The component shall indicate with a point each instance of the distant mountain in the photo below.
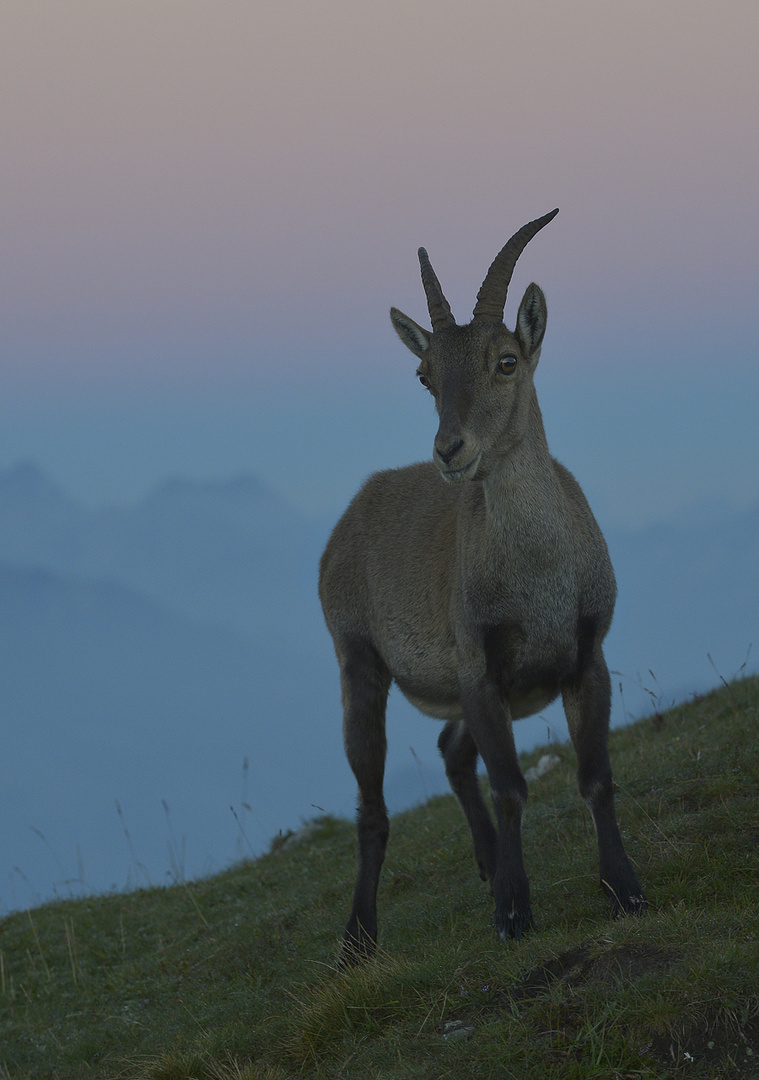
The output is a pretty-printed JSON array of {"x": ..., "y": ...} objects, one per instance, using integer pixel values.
[
  {"x": 215, "y": 550},
  {"x": 147, "y": 652},
  {"x": 108, "y": 697},
  {"x": 39, "y": 525}
]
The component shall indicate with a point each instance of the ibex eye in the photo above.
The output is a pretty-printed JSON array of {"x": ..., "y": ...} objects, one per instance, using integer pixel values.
[
  {"x": 424, "y": 381},
  {"x": 507, "y": 364}
]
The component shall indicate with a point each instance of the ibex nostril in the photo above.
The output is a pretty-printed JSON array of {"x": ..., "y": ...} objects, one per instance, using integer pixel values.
[{"x": 447, "y": 455}]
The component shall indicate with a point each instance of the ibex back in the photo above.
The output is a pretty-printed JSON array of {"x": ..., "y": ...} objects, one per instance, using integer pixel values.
[{"x": 482, "y": 584}]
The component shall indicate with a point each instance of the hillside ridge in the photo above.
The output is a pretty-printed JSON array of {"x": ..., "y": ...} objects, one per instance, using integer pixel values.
[{"x": 233, "y": 977}]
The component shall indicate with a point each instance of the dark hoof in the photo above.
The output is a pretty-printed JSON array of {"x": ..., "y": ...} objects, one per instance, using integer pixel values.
[
  {"x": 626, "y": 899},
  {"x": 636, "y": 906},
  {"x": 514, "y": 922},
  {"x": 358, "y": 947}
]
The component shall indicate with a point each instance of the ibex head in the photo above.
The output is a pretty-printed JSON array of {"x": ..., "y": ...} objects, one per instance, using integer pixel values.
[{"x": 480, "y": 375}]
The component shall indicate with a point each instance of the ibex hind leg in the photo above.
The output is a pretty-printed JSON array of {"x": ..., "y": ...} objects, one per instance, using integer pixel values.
[
  {"x": 365, "y": 685},
  {"x": 460, "y": 755},
  {"x": 587, "y": 702}
]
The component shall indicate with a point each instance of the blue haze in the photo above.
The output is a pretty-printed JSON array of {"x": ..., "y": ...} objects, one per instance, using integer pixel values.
[{"x": 171, "y": 699}]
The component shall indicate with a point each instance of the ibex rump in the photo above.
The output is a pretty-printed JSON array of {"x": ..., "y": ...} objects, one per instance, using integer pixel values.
[{"x": 483, "y": 599}]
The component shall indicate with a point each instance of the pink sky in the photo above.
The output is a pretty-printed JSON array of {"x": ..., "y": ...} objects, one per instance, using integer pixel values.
[
  {"x": 179, "y": 177},
  {"x": 206, "y": 196}
]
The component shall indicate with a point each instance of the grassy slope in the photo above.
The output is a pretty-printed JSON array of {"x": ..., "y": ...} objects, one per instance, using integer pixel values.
[{"x": 233, "y": 977}]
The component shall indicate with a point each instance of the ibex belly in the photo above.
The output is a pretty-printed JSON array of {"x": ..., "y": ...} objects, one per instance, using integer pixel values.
[
  {"x": 428, "y": 677},
  {"x": 523, "y": 704},
  {"x": 526, "y": 684}
]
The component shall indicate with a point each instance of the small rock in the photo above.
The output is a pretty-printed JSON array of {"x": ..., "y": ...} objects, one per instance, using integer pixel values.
[
  {"x": 457, "y": 1029},
  {"x": 544, "y": 765},
  {"x": 296, "y": 838}
]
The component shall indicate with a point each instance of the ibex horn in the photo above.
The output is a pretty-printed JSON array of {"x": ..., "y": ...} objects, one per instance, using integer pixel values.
[
  {"x": 491, "y": 299},
  {"x": 439, "y": 308}
]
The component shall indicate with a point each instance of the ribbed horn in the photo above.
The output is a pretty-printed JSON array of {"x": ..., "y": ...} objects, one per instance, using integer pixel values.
[
  {"x": 439, "y": 308},
  {"x": 491, "y": 299}
]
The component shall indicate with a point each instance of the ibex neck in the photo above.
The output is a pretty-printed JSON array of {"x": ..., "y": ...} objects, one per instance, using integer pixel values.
[{"x": 524, "y": 479}]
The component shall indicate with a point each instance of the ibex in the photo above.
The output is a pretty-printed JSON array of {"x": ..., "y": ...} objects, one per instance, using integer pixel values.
[{"x": 482, "y": 584}]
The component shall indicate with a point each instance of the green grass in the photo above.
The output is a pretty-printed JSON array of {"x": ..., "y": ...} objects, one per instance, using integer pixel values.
[{"x": 233, "y": 978}]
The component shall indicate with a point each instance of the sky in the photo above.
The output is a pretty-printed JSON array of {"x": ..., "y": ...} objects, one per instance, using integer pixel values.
[{"x": 207, "y": 209}]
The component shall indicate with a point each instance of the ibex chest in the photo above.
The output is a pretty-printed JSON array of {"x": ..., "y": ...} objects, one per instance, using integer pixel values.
[
  {"x": 523, "y": 579},
  {"x": 527, "y": 617},
  {"x": 525, "y": 638}
]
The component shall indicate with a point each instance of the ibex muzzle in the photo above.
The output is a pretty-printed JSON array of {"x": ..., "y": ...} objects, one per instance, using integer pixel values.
[
  {"x": 456, "y": 451},
  {"x": 483, "y": 600}
]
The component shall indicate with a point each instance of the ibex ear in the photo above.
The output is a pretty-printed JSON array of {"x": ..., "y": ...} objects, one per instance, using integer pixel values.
[
  {"x": 413, "y": 336},
  {"x": 531, "y": 320}
]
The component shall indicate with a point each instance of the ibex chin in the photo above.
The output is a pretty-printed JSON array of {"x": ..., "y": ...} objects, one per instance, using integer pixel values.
[{"x": 482, "y": 584}]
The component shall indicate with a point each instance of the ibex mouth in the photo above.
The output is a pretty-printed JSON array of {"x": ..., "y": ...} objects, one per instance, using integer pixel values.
[{"x": 468, "y": 472}]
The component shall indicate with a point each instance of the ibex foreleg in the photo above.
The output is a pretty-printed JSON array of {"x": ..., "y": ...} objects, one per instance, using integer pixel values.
[
  {"x": 489, "y": 723},
  {"x": 587, "y": 702}
]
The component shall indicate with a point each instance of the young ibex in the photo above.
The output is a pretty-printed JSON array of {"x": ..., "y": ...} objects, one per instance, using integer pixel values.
[{"x": 482, "y": 584}]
